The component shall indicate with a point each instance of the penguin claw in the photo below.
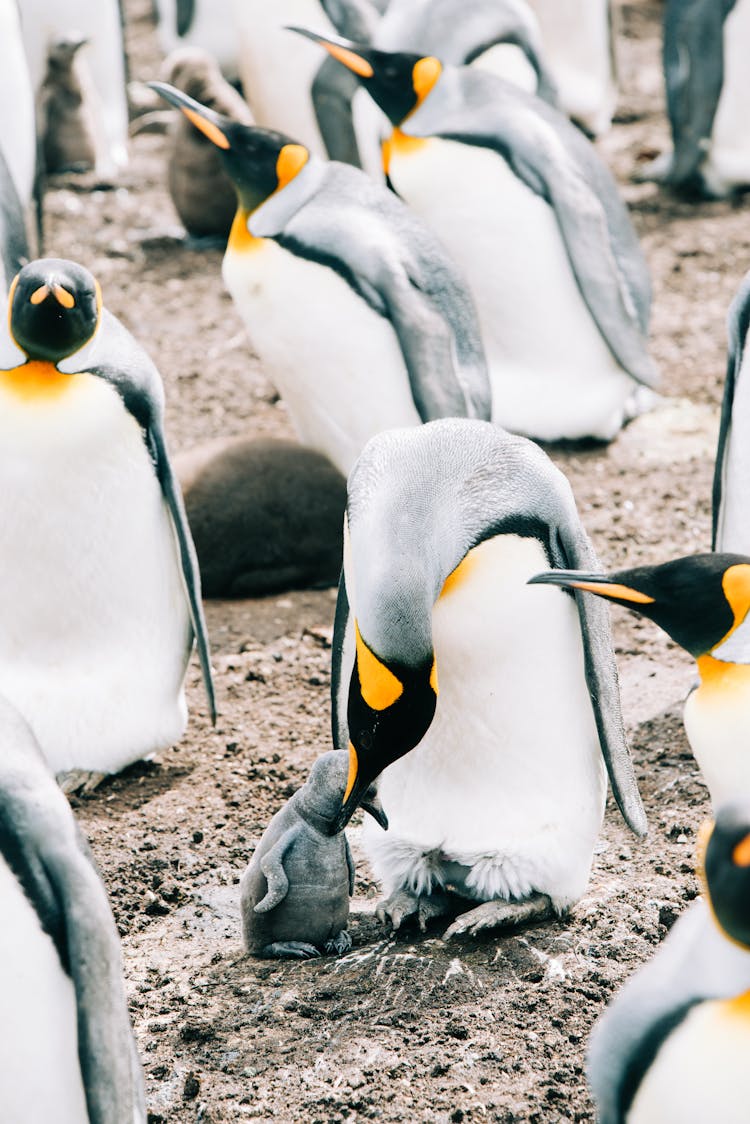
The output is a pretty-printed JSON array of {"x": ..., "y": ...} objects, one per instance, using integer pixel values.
[
  {"x": 499, "y": 914},
  {"x": 290, "y": 950},
  {"x": 339, "y": 944},
  {"x": 79, "y": 782},
  {"x": 404, "y": 904}
]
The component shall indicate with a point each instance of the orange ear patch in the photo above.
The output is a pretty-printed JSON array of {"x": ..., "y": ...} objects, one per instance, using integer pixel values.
[
  {"x": 741, "y": 853},
  {"x": 290, "y": 162},
  {"x": 380, "y": 688},
  {"x": 424, "y": 76}
]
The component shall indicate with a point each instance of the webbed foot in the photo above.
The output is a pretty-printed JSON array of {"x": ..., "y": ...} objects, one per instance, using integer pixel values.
[
  {"x": 500, "y": 914},
  {"x": 339, "y": 944},
  {"x": 79, "y": 782},
  {"x": 404, "y": 903},
  {"x": 290, "y": 950}
]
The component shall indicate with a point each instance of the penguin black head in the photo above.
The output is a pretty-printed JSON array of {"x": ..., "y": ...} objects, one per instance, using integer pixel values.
[
  {"x": 397, "y": 81},
  {"x": 699, "y": 600},
  {"x": 726, "y": 865},
  {"x": 54, "y": 308},
  {"x": 323, "y": 792},
  {"x": 258, "y": 161}
]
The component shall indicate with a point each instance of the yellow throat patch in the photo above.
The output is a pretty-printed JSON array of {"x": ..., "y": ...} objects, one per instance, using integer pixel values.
[{"x": 37, "y": 380}]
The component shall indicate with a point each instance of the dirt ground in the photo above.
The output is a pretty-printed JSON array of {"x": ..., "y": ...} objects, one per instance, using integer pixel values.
[{"x": 400, "y": 1028}]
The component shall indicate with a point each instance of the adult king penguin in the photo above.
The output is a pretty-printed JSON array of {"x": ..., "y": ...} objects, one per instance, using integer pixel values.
[
  {"x": 731, "y": 509},
  {"x": 672, "y": 1047},
  {"x": 492, "y": 715},
  {"x": 355, "y": 310},
  {"x": 708, "y": 87},
  {"x": 66, "y": 1047},
  {"x": 99, "y": 586},
  {"x": 702, "y": 602},
  {"x": 534, "y": 220}
]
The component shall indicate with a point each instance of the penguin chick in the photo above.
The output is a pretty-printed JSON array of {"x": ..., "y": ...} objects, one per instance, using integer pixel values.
[
  {"x": 295, "y": 892},
  {"x": 672, "y": 1046},
  {"x": 702, "y": 602},
  {"x": 354, "y": 308},
  {"x": 490, "y": 717},
  {"x": 99, "y": 584},
  {"x": 534, "y": 220},
  {"x": 66, "y": 123},
  {"x": 67, "y": 1051},
  {"x": 202, "y": 192},
  {"x": 265, "y": 516}
]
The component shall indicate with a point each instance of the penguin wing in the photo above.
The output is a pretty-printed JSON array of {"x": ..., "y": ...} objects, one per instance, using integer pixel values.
[
  {"x": 40, "y": 842},
  {"x": 272, "y": 866},
  {"x": 184, "y": 16},
  {"x": 601, "y": 676},
  {"x": 738, "y": 320},
  {"x": 116, "y": 357},
  {"x": 556, "y": 162},
  {"x": 694, "y": 74},
  {"x": 333, "y": 89}
]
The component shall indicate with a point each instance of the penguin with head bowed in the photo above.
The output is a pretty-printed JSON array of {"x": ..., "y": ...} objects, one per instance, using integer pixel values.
[
  {"x": 707, "y": 86},
  {"x": 731, "y": 521},
  {"x": 490, "y": 716},
  {"x": 99, "y": 585},
  {"x": 295, "y": 892},
  {"x": 672, "y": 1047},
  {"x": 355, "y": 310},
  {"x": 534, "y": 220},
  {"x": 67, "y": 1051},
  {"x": 702, "y": 602}
]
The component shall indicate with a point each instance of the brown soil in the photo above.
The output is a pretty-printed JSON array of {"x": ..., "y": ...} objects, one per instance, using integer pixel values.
[{"x": 401, "y": 1028}]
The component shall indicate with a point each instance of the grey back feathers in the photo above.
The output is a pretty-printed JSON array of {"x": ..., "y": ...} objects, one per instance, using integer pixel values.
[
  {"x": 426, "y": 497},
  {"x": 732, "y": 467},
  {"x": 40, "y": 842}
]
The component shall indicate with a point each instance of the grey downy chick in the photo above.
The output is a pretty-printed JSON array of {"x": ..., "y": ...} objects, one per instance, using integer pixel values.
[
  {"x": 66, "y": 119},
  {"x": 295, "y": 892}
]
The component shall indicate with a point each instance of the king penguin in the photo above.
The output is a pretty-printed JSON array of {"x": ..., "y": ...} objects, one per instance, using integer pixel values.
[
  {"x": 708, "y": 87},
  {"x": 490, "y": 717},
  {"x": 99, "y": 586},
  {"x": 17, "y": 113},
  {"x": 731, "y": 509},
  {"x": 702, "y": 602},
  {"x": 672, "y": 1047},
  {"x": 355, "y": 310},
  {"x": 14, "y": 249},
  {"x": 67, "y": 1052},
  {"x": 534, "y": 220}
]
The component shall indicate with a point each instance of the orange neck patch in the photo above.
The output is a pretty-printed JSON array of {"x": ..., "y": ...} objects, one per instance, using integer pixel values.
[
  {"x": 36, "y": 379},
  {"x": 740, "y": 1005},
  {"x": 721, "y": 678},
  {"x": 398, "y": 144},
  {"x": 241, "y": 241}
]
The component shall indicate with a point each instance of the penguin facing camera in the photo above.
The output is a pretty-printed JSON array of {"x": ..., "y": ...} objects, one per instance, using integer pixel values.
[
  {"x": 702, "y": 602},
  {"x": 67, "y": 1052},
  {"x": 99, "y": 585},
  {"x": 490, "y": 716},
  {"x": 672, "y": 1046},
  {"x": 533, "y": 218},
  {"x": 202, "y": 192},
  {"x": 66, "y": 123},
  {"x": 295, "y": 892},
  {"x": 324, "y": 264},
  {"x": 265, "y": 516}
]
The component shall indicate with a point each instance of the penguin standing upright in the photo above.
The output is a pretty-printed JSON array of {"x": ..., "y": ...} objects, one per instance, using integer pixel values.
[
  {"x": 534, "y": 220},
  {"x": 66, "y": 122},
  {"x": 702, "y": 602},
  {"x": 99, "y": 586},
  {"x": 708, "y": 88},
  {"x": 67, "y": 1052},
  {"x": 14, "y": 249},
  {"x": 731, "y": 507},
  {"x": 492, "y": 715},
  {"x": 672, "y": 1046},
  {"x": 355, "y": 310},
  {"x": 17, "y": 113}
]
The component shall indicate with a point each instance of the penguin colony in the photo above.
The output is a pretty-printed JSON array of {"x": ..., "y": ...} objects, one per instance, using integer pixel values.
[{"x": 435, "y": 267}]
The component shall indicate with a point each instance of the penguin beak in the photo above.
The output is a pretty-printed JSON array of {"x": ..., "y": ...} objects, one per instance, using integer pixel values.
[
  {"x": 351, "y": 55},
  {"x": 600, "y": 584},
  {"x": 371, "y": 804},
  {"x": 358, "y": 789},
  {"x": 211, "y": 124}
]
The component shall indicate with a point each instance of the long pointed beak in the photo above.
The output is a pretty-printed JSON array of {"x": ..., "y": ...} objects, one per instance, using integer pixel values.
[
  {"x": 357, "y": 791},
  {"x": 211, "y": 124},
  {"x": 601, "y": 584},
  {"x": 343, "y": 50},
  {"x": 371, "y": 804}
]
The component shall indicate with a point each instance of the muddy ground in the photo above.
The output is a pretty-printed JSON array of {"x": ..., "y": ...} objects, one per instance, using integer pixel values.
[{"x": 406, "y": 1028}]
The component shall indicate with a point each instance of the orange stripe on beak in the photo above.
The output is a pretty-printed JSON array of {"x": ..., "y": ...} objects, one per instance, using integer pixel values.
[
  {"x": 350, "y": 59},
  {"x": 39, "y": 294},
  {"x": 63, "y": 297},
  {"x": 213, "y": 132},
  {"x": 613, "y": 591}
]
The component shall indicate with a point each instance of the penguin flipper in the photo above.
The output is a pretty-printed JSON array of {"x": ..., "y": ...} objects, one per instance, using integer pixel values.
[
  {"x": 738, "y": 321},
  {"x": 574, "y": 551},
  {"x": 349, "y": 865},
  {"x": 184, "y": 15},
  {"x": 272, "y": 866},
  {"x": 332, "y": 92}
]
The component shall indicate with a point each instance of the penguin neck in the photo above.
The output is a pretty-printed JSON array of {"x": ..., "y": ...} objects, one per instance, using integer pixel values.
[
  {"x": 400, "y": 144},
  {"x": 251, "y": 227},
  {"x": 35, "y": 379},
  {"x": 722, "y": 675},
  {"x": 311, "y": 815}
]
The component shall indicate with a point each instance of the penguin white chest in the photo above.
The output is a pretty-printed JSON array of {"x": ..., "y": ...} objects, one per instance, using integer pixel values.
[
  {"x": 509, "y": 778},
  {"x": 700, "y": 1073},
  {"x": 717, "y": 724},
  {"x": 336, "y": 361},
  {"x": 728, "y": 163},
  {"x": 96, "y": 631},
  {"x": 553, "y": 375},
  {"x": 40, "y": 1075}
]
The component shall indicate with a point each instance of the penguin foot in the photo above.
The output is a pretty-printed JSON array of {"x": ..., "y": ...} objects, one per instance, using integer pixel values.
[
  {"x": 339, "y": 944},
  {"x": 499, "y": 914},
  {"x": 79, "y": 782},
  {"x": 404, "y": 903},
  {"x": 290, "y": 950}
]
